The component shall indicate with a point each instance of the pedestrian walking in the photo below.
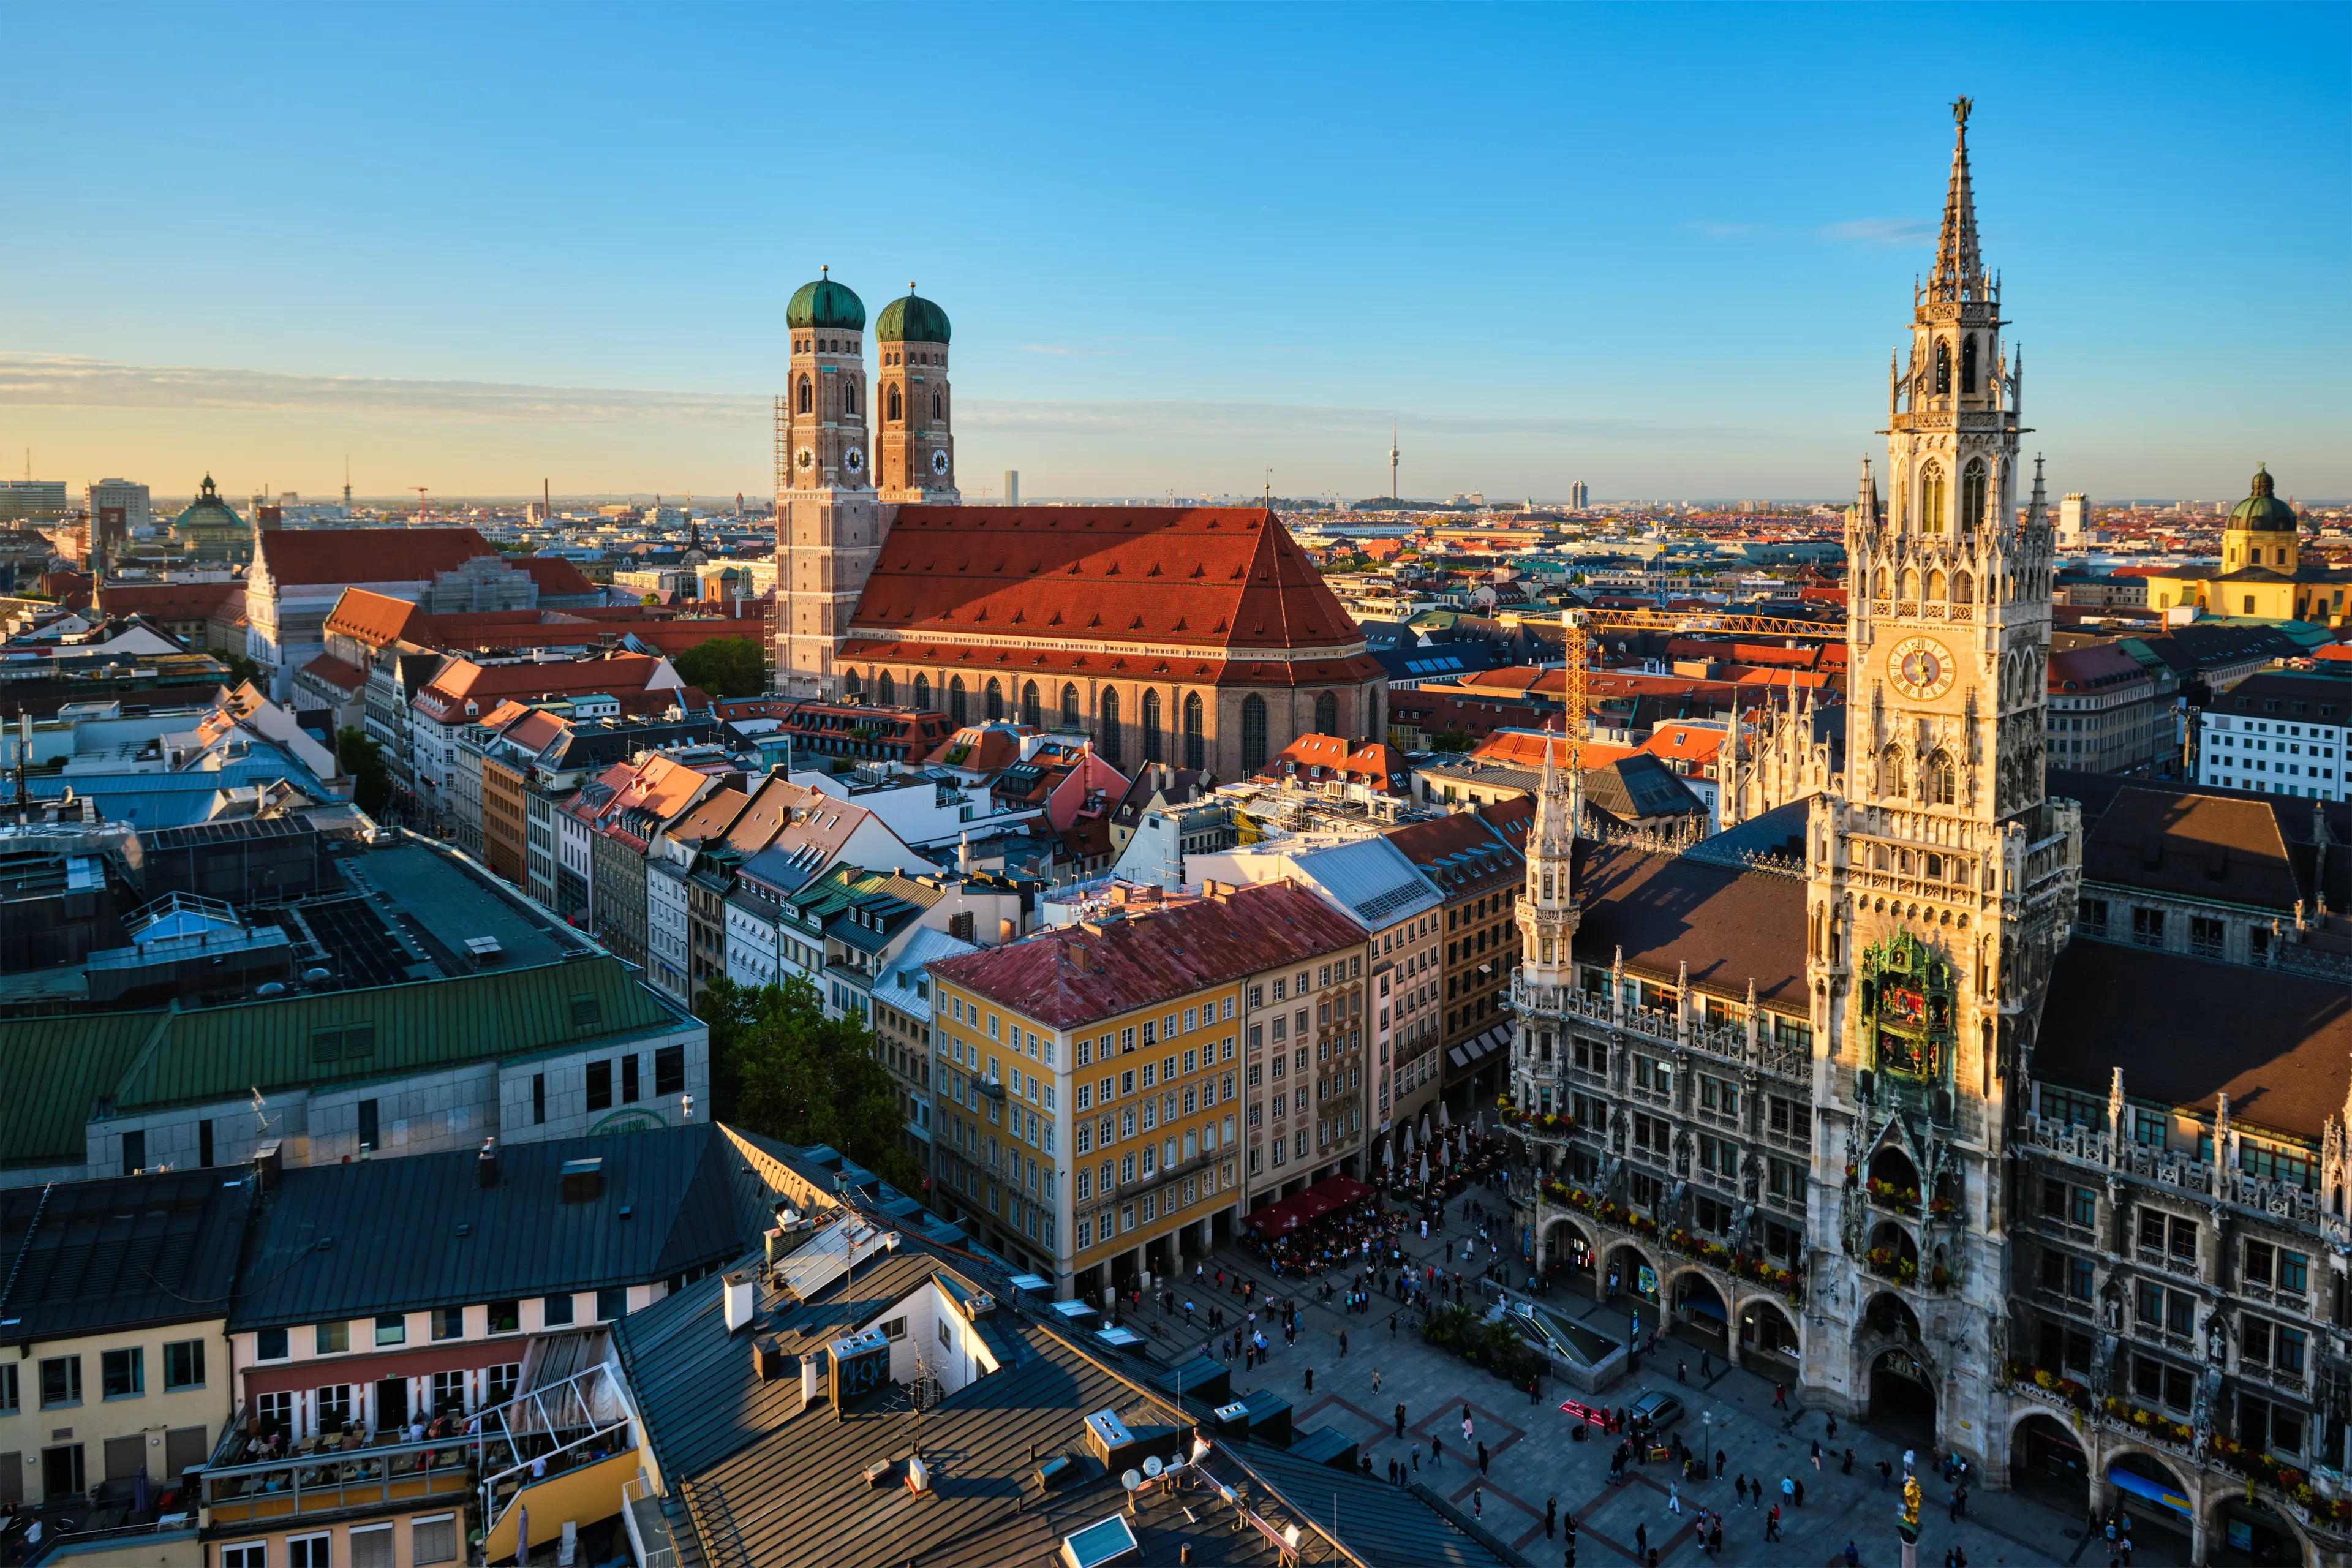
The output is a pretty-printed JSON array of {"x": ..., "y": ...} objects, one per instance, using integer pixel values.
[
  {"x": 1772, "y": 1523},
  {"x": 1310, "y": 1380},
  {"x": 1437, "y": 1453},
  {"x": 1952, "y": 1507},
  {"x": 1817, "y": 1456},
  {"x": 1477, "y": 1502},
  {"x": 1886, "y": 1473},
  {"x": 1779, "y": 1396},
  {"x": 1714, "y": 1539},
  {"x": 1551, "y": 1514},
  {"x": 1801, "y": 1494},
  {"x": 1703, "y": 1369},
  {"x": 1343, "y": 1342},
  {"x": 1674, "y": 1499},
  {"x": 1416, "y": 1456},
  {"x": 1465, "y": 1424},
  {"x": 1833, "y": 1428},
  {"x": 1739, "y": 1484},
  {"x": 1682, "y": 1370},
  {"x": 1788, "y": 1491},
  {"x": 1399, "y": 1420},
  {"x": 1376, "y": 1380},
  {"x": 1719, "y": 1464},
  {"x": 1642, "y": 1539},
  {"x": 1847, "y": 1469}
]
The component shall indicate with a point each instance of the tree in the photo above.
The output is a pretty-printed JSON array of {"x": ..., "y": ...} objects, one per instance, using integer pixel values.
[
  {"x": 1452, "y": 740},
  {"x": 242, "y": 668},
  {"x": 725, "y": 667},
  {"x": 363, "y": 759},
  {"x": 779, "y": 1067}
]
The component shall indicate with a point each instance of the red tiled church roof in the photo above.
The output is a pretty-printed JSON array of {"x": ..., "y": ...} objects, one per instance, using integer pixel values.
[
  {"x": 1214, "y": 578},
  {"x": 366, "y": 554}
]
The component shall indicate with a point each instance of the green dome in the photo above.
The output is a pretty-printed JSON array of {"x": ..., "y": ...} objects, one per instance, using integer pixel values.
[
  {"x": 911, "y": 320},
  {"x": 825, "y": 303},
  {"x": 2261, "y": 511},
  {"x": 207, "y": 510}
]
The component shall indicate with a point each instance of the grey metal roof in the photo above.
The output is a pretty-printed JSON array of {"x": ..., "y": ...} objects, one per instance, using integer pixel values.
[
  {"x": 904, "y": 985},
  {"x": 399, "y": 1235},
  {"x": 81, "y": 1257},
  {"x": 1373, "y": 878}
]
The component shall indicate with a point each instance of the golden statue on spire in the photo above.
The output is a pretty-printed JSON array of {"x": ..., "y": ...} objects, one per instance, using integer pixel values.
[{"x": 1960, "y": 107}]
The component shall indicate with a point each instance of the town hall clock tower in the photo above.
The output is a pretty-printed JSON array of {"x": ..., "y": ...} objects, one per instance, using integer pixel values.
[{"x": 1941, "y": 880}]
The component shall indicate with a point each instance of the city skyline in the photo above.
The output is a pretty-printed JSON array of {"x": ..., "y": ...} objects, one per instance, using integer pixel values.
[{"x": 471, "y": 288}]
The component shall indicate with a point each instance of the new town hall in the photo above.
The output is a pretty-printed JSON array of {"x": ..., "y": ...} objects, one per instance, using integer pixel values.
[{"x": 2000, "y": 1107}]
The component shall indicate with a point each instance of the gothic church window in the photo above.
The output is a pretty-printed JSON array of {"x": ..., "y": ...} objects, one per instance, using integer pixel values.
[
  {"x": 1931, "y": 498},
  {"x": 1032, "y": 713},
  {"x": 892, "y": 412},
  {"x": 1943, "y": 368},
  {"x": 922, "y": 692},
  {"x": 1151, "y": 744},
  {"x": 1938, "y": 782},
  {"x": 955, "y": 707},
  {"x": 851, "y": 684},
  {"x": 1973, "y": 495},
  {"x": 992, "y": 700},
  {"x": 1196, "y": 746},
  {"x": 1890, "y": 770},
  {"x": 1964, "y": 589},
  {"x": 1968, "y": 363},
  {"x": 1326, "y": 714},
  {"x": 1254, "y": 732},
  {"x": 937, "y": 407},
  {"x": 1110, "y": 739},
  {"x": 807, "y": 394},
  {"x": 1936, "y": 585},
  {"x": 1069, "y": 706},
  {"x": 886, "y": 689},
  {"x": 849, "y": 397}
]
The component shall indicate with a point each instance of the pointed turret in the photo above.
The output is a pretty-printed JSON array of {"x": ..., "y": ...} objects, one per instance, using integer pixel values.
[
  {"x": 1960, "y": 269},
  {"x": 2037, "y": 510}
]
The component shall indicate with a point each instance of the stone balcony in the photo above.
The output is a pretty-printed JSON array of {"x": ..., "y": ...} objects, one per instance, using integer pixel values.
[
  {"x": 1662, "y": 1028},
  {"x": 2279, "y": 1201}
]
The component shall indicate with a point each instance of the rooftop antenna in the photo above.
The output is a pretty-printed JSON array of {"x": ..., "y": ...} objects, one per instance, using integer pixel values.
[
  {"x": 424, "y": 507},
  {"x": 1269, "y": 489}
]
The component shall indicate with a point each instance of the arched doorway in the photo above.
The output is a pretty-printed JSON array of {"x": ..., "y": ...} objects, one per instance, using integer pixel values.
[
  {"x": 1700, "y": 1308},
  {"x": 2045, "y": 1460},
  {"x": 1902, "y": 1399},
  {"x": 1768, "y": 1341},
  {"x": 1570, "y": 1260},
  {"x": 1635, "y": 1280},
  {"x": 2251, "y": 1532},
  {"x": 2163, "y": 1511}
]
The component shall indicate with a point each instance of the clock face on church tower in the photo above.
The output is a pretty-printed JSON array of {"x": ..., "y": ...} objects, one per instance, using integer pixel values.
[
  {"x": 1921, "y": 669},
  {"x": 939, "y": 462}
]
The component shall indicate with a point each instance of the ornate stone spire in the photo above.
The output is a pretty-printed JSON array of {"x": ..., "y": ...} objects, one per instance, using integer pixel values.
[{"x": 1960, "y": 269}]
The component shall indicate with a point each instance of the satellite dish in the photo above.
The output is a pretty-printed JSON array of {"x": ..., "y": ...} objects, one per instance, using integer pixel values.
[
  {"x": 1152, "y": 1466},
  {"x": 1131, "y": 1479}
]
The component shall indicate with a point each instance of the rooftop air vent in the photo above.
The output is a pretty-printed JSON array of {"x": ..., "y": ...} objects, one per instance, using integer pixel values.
[
  {"x": 741, "y": 1294},
  {"x": 583, "y": 1181}
]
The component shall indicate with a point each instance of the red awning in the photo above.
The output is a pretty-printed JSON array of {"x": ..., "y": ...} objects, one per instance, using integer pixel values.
[{"x": 1339, "y": 1191}]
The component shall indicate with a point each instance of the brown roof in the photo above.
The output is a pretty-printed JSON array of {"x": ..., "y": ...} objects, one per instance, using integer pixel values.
[
  {"x": 2227, "y": 847},
  {"x": 711, "y": 817},
  {"x": 1426, "y": 843},
  {"x": 377, "y": 618},
  {"x": 365, "y": 554},
  {"x": 1207, "y": 577},
  {"x": 1665, "y": 910},
  {"x": 461, "y": 681},
  {"x": 2186, "y": 1032},
  {"x": 554, "y": 574},
  {"x": 1074, "y": 974},
  {"x": 171, "y": 601},
  {"x": 336, "y": 672}
]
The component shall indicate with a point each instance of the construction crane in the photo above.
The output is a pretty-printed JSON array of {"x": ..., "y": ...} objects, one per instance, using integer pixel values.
[
  {"x": 1704, "y": 621},
  {"x": 423, "y": 511}
]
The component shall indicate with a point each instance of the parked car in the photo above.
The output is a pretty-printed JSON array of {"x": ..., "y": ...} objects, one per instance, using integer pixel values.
[{"x": 1660, "y": 1410}]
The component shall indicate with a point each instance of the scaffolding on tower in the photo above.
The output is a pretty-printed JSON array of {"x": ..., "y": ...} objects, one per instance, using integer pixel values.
[{"x": 775, "y": 612}]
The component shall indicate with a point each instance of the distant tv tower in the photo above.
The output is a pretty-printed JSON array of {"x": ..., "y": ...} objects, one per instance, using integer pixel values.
[
  {"x": 1392, "y": 463},
  {"x": 347, "y": 484}
]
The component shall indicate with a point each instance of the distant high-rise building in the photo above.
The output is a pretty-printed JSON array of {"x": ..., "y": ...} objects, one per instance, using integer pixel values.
[
  {"x": 134, "y": 502},
  {"x": 2074, "y": 518},
  {"x": 1012, "y": 487},
  {"x": 1578, "y": 498},
  {"x": 32, "y": 500}
]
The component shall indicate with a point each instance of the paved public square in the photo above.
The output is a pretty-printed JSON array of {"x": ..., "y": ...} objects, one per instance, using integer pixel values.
[{"x": 1533, "y": 1457}]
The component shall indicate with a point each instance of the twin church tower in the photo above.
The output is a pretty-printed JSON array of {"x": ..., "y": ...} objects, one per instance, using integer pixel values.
[{"x": 837, "y": 472}]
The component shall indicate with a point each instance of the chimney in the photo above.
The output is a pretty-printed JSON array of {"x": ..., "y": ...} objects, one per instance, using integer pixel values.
[
  {"x": 741, "y": 1297},
  {"x": 268, "y": 1165},
  {"x": 486, "y": 1164},
  {"x": 812, "y": 1379},
  {"x": 959, "y": 925},
  {"x": 1004, "y": 930}
]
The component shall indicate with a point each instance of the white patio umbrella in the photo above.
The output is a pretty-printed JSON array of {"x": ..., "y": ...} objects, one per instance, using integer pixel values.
[
  {"x": 1409, "y": 1144},
  {"x": 1444, "y": 1121},
  {"x": 1424, "y": 1168},
  {"x": 1424, "y": 1126},
  {"x": 1388, "y": 1157}
]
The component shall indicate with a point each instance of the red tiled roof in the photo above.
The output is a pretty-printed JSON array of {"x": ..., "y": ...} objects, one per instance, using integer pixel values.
[
  {"x": 1525, "y": 748},
  {"x": 365, "y": 554},
  {"x": 1074, "y": 975},
  {"x": 336, "y": 672},
  {"x": 170, "y": 601},
  {"x": 1013, "y": 664},
  {"x": 1314, "y": 756},
  {"x": 461, "y": 681},
  {"x": 554, "y": 574},
  {"x": 677, "y": 636},
  {"x": 377, "y": 619},
  {"x": 1206, "y": 577}
]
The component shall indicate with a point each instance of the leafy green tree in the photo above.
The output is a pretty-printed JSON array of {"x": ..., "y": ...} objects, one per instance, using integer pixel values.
[
  {"x": 1452, "y": 740},
  {"x": 725, "y": 667},
  {"x": 363, "y": 759},
  {"x": 779, "y": 1067},
  {"x": 241, "y": 668}
]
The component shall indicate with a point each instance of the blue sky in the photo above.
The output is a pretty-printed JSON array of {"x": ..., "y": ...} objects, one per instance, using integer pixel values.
[{"x": 1662, "y": 250}]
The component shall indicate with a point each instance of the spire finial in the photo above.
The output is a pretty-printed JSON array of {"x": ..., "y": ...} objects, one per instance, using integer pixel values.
[
  {"x": 1959, "y": 267},
  {"x": 824, "y": 269},
  {"x": 1960, "y": 107}
]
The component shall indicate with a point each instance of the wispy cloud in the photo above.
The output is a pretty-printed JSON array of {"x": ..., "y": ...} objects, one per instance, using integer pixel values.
[
  {"x": 62, "y": 381},
  {"x": 1891, "y": 231},
  {"x": 1722, "y": 231}
]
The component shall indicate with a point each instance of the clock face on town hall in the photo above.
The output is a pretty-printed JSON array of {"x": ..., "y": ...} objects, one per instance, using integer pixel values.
[{"x": 1923, "y": 669}]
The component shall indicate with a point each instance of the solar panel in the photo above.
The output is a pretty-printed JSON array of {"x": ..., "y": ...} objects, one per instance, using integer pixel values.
[{"x": 828, "y": 1254}]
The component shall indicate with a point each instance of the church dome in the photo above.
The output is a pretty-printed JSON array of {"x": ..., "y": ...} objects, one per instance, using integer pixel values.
[
  {"x": 911, "y": 319},
  {"x": 824, "y": 303},
  {"x": 207, "y": 511},
  {"x": 2261, "y": 511}
]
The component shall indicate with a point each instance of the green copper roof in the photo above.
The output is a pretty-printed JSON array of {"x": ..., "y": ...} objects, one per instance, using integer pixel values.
[
  {"x": 207, "y": 510},
  {"x": 911, "y": 320},
  {"x": 2261, "y": 511},
  {"x": 825, "y": 303}
]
